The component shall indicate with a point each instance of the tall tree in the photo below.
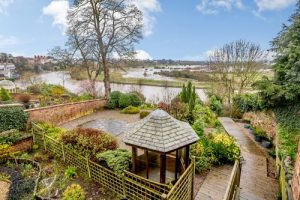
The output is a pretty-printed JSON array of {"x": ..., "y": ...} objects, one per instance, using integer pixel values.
[
  {"x": 287, "y": 67},
  {"x": 106, "y": 28},
  {"x": 235, "y": 67}
]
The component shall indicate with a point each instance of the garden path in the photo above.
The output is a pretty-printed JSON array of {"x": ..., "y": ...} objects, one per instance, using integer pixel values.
[
  {"x": 104, "y": 116},
  {"x": 255, "y": 184},
  {"x": 4, "y": 188}
]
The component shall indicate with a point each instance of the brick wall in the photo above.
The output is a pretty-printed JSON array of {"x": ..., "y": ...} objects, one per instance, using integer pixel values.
[
  {"x": 62, "y": 113},
  {"x": 296, "y": 177}
]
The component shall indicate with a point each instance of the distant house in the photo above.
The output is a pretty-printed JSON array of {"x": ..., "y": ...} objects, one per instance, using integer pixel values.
[
  {"x": 7, "y": 69},
  {"x": 8, "y": 85}
]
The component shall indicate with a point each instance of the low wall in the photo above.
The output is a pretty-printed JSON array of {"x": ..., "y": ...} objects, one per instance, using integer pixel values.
[
  {"x": 296, "y": 178},
  {"x": 62, "y": 113}
]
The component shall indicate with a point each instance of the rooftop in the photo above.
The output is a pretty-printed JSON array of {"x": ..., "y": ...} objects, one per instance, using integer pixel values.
[{"x": 160, "y": 132}]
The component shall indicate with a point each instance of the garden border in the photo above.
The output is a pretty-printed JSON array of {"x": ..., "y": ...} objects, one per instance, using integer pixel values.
[{"x": 128, "y": 185}]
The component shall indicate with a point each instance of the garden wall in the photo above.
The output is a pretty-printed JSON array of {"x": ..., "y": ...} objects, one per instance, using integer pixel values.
[
  {"x": 62, "y": 113},
  {"x": 296, "y": 177}
]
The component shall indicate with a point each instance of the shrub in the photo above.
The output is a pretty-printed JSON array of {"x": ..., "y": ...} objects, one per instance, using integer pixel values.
[
  {"x": 199, "y": 126},
  {"x": 124, "y": 101},
  {"x": 216, "y": 105},
  {"x": 34, "y": 89},
  {"x": 207, "y": 115},
  {"x": 225, "y": 148},
  {"x": 135, "y": 99},
  {"x": 131, "y": 110},
  {"x": 24, "y": 98},
  {"x": 164, "y": 106},
  {"x": 70, "y": 172},
  {"x": 4, "y": 95},
  {"x": 260, "y": 132},
  {"x": 12, "y": 118},
  {"x": 144, "y": 114},
  {"x": 140, "y": 95},
  {"x": 218, "y": 148},
  {"x": 4, "y": 150},
  {"x": 247, "y": 102},
  {"x": 73, "y": 192},
  {"x": 117, "y": 160},
  {"x": 51, "y": 130},
  {"x": 89, "y": 141},
  {"x": 9, "y": 137},
  {"x": 203, "y": 164},
  {"x": 113, "y": 101}
]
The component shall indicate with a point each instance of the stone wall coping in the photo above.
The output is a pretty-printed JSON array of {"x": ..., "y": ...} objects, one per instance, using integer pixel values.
[
  {"x": 11, "y": 105},
  {"x": 66, "y": 104}
]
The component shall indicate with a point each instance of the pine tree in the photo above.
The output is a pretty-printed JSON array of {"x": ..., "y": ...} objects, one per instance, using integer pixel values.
[
  {"x": 189, "y": 91},
  {"x": 183, "y": 95},
  {"x": 287, "y": 67}
]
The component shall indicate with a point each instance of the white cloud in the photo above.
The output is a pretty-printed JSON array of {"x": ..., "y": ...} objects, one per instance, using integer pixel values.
[
  {"x": 4, "y": 4},
  {"x": 273, "y": 4},
  {"x": 58, "y": 9},
  {"x": 8, "y": 41},
  {"x": 212, "y": 7},
  {"x": 148, "y": 7},
  {"x": 142, "y": 55}
]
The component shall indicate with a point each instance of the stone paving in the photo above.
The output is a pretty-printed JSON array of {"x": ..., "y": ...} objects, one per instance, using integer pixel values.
[{"x": 255, "y": 184}]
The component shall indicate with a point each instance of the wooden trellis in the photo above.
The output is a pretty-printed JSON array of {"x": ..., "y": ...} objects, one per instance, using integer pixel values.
[{"x": 128, "y": 185}]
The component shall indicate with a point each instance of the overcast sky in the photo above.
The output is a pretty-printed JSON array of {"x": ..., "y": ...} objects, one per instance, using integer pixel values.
[{"x": 174, "y": 29}]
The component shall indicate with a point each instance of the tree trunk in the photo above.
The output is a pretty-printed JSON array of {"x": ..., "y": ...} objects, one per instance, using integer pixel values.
[{"x": 106, "y": 79}]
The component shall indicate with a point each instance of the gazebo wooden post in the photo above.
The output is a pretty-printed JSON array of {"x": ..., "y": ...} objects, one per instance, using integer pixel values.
[
  {"x": 177, "y": 163},
  {"x": 163, "y": 168},
  {"x": 134, "y": 152},
  {"x": 147, "y": 164},
  {"x": 187, "y": 156}
]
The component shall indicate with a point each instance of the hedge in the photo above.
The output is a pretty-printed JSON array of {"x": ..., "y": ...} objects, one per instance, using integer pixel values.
[{"x": 12, "y": 118}]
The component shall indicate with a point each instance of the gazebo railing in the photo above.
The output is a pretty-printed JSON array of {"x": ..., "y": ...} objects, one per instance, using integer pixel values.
[{"x": 128, "y": 185}]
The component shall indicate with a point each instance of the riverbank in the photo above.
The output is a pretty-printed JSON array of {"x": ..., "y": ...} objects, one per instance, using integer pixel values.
[{"x": 116, "y": 76}]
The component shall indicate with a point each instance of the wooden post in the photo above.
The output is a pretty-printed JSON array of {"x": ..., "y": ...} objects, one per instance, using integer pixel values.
[
  {"x": 163, "y": 168},
  {"x": 88, "y": 166},
  {"x": 147, "y": 164},
  {"x": 63, "y": 152},
  {"x": 134, "y": 152},
  {"x": 187, "y": 156},
  {"x": 177, "y": 165},
  {"x": 193, "y": 178}
]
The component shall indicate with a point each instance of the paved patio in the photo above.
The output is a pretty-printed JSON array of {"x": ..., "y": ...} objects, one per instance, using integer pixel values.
[{"x": 255, "y": 184}]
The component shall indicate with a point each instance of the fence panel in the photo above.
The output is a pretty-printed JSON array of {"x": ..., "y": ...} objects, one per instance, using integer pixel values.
[
  {"x": 184, "y": 187},
  {"x": 137, "y": 187},
  {"x": 106, "y": 177},
  {"x": 233, "y": 189}
]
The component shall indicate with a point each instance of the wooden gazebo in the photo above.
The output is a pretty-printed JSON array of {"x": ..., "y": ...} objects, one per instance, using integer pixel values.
[{"x": 160, "y": 133}]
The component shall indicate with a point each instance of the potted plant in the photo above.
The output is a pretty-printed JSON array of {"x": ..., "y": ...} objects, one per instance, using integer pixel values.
[
  {"x": 266, "y": 143},
  {"x": 259, "y": 134}
]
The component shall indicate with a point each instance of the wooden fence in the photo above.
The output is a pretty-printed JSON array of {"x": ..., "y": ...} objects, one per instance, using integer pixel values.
[
  {"x": 128, "y": 185},
  {"x": 233, "y": 189}
]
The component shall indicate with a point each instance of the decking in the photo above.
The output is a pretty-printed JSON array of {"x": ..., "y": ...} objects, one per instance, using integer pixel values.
[{"x": 255, "y": 184}]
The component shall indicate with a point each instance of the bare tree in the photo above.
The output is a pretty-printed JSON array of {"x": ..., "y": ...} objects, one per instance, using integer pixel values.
[
  {"x": 103, "y": 29},
  {"x": 62, "y": 57},
  {"x": 235, "y": 67}
]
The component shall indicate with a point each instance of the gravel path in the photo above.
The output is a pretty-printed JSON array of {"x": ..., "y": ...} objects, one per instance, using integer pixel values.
[{"x": 4, "y": 188}]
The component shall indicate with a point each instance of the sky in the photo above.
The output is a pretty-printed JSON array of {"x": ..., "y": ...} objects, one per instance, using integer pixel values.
[{"x": 173, "y": 29}]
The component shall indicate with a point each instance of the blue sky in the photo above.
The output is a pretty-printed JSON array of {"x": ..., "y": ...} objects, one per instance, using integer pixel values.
[{"x": 174, "y": 29}]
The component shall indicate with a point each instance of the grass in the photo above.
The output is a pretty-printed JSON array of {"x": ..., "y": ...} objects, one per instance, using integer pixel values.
[{"x": 116, "y": 77}]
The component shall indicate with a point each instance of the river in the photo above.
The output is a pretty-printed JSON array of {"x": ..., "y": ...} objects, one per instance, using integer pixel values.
[{"x": 153, "y": 94}]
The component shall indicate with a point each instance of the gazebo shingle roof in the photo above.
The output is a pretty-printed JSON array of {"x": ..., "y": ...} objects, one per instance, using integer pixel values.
[{"x": 160, "y": 132}]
